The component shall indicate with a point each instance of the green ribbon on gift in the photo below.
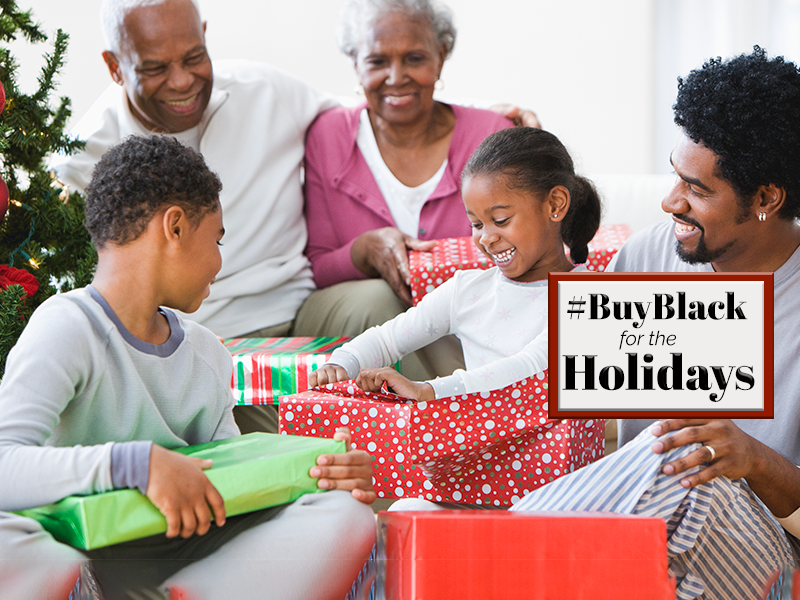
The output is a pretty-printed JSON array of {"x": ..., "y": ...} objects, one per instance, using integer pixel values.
[{"x": 251, "y": 472}]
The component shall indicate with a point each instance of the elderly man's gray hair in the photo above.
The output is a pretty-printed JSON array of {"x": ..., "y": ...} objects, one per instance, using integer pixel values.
[
  {"x": 112, "y": 14},
  {"x": 355, "y": 14}
]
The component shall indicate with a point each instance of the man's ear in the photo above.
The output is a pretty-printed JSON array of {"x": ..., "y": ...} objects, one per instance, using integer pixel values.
[
  {"x": 174, "y": 224},
  {"x": 770, "y": 199},
  {"x": 558, "y": 200},
  {"x": 113, "y": 66}
]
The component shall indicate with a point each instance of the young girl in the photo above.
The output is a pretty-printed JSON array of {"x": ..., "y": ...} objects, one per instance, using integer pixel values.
[{"x": 524, "y": 202}]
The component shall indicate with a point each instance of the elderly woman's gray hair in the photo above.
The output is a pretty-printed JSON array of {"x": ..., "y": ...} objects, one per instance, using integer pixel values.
[
  {"x": 355, "y": 14},
  {"x": 112, "y": 14}
]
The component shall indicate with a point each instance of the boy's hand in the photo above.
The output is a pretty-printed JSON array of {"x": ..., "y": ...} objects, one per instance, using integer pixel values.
[
  {"x": 349, "y": 471},
  {"x": 327, "y": 374},
  {"x": 181, "y": 491},
  {"x": 371, "y": 380}
]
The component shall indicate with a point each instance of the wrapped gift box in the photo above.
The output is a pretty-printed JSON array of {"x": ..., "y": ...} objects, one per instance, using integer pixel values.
[
  {"x": 489, "y": 448},
  {"x": 251, "y": 472},
  {"x": 431, "y": 269},
  {"x": 264, "y": 369},
  {"x": 476, "y": 554}
]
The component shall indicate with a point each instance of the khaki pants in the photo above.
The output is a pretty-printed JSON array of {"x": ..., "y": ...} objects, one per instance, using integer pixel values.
[{"x": 352, "y": 307}]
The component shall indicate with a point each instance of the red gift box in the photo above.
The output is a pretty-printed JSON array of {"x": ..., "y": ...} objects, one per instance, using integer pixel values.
[
  {"x": 430, "y": 269},
  {"x": 264, "y": 369},
  {"x": 475, "y": 554},
  {"x": 486, "y": 448}
]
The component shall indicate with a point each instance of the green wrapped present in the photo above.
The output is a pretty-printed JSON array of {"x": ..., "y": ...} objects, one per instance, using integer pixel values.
[{"x": 254, "y": 471}]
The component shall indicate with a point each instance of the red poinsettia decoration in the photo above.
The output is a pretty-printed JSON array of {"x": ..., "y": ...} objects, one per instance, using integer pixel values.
[{"x": 10, "y": 276}]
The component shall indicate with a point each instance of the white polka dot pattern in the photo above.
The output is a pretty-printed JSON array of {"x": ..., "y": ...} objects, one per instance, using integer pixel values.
[{"x": 484, "y": 448}]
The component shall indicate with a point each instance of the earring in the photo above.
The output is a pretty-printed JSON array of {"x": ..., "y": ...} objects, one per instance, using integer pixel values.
[
  {"x": 439, "y": 85},
  {"x": 555, "y": 216},
  {"x": 762, "y": 216},
  {"x": 359, "y": 89}
]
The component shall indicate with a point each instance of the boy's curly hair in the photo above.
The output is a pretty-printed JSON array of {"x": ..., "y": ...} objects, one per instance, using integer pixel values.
[
  {"x": 747, "y": 111},
  {"x": 137, "y": 177}
]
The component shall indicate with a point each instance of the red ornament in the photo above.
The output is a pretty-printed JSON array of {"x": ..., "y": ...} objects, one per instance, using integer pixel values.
[
  {"x": 11, "y": 276},
  {"x": 3, "y": 198},
  {"x": 2, "y": 97}
]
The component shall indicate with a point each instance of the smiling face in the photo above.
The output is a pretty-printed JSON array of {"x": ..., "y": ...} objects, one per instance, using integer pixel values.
[
  {"x": 163, "y": 65},
  {"x": 514, "y": 229},
  {"x": 398, "y": 63},
  {"x": 711, "y": 225}
]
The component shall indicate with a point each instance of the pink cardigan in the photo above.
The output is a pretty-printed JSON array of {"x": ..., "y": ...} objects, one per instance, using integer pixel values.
[{"x": 342, "y": 199}]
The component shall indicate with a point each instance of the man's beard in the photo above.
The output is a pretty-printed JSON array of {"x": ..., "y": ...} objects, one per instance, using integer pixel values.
[{"x": 701, "y": 254}]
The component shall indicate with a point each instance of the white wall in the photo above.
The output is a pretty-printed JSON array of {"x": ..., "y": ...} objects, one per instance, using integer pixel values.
[{"x": 584, "y": 66}]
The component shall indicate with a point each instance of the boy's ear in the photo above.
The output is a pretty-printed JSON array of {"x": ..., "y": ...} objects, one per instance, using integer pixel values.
[
  {"x": 558, "y": 202},
  {"x": 175, "y": 224}
]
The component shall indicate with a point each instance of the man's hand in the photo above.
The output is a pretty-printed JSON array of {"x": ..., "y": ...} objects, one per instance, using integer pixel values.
[
  {"x": 178, "y": 488},
  {"x": 349, "y": 471},
  {"x": 735, "y": 453},
  {"x": 522, "y": 117},
  {"x": 371, "y": 380},
  {"x": 327, "y": 374},
  {"x": 384, "y": 253},
  {"x": 774, "y": 479}
]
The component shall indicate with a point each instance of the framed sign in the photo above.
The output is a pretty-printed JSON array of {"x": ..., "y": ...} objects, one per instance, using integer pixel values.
[{"x": 648, "y": 345}]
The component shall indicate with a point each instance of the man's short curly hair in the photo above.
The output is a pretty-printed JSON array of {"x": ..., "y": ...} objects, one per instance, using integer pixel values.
[
  {"x": 136, "y": 178},
  {"x": 747, "y": 111}
]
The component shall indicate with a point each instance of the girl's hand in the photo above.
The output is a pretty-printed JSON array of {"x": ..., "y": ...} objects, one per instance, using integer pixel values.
[
  {"x": 349, "y": 471},
  {"x": 371, "y": 380},
  {"x": 384, "y": 253},
  {"x": 178, "y": 488},
  {"x": 327, "y": 374}
]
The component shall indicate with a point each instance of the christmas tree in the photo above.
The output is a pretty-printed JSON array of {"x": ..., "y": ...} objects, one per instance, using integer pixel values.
[{"x": 44, "y": 247}]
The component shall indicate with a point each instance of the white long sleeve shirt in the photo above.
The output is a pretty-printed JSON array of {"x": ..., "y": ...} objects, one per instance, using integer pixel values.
[
  {"x": 502, "y": 325},
  {"x": 252, "y": 135}
]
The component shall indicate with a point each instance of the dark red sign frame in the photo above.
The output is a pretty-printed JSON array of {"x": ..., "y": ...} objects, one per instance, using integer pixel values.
[{"x": 555, "y": 411}]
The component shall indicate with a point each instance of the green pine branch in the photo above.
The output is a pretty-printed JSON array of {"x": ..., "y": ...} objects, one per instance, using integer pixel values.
[
  {"x": 42, "y": 231},
  {"x": 14, "y": 21}
]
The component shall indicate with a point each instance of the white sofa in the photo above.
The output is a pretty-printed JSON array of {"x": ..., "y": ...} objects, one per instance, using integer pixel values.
[{"x": 633, "y": 199}]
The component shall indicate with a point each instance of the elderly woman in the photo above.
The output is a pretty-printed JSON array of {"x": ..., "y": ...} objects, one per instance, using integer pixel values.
[{"x": 384, "y": 177}]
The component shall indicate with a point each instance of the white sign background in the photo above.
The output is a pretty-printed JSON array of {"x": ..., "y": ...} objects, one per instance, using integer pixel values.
[{"x": 725, "y": 342}]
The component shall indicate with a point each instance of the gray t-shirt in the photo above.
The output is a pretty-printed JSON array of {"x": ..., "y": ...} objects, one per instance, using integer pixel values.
[
  {"x": 653, "y": 250},
  {"x": 77, "y": 382}
]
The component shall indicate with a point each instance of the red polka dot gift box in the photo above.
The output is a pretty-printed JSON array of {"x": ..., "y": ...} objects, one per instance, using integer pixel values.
[
  {"x": 430, "y": 269},
  {"x": 488, "y": 448}
]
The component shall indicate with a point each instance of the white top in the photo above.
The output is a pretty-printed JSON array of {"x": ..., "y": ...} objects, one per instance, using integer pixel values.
[
  {"x": 252, "y": 135},
  {"x": 76, "y": 382},
  {"x": 502, "y": 325},
  {"x": 189, "y": 137},
  {"x": 405, "y": 203}
]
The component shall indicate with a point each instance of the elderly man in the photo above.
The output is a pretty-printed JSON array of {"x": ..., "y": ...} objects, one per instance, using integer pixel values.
[
  {"x": 734, "y": 208},
  {"x": 248, "y": 120}
]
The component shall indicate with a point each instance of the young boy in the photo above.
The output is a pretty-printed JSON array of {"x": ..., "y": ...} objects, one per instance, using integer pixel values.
[{"x": 104, "y": 380}]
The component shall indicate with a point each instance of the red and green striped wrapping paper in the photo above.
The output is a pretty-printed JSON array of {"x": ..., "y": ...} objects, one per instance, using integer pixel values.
[{"x": 265, "y": 369}]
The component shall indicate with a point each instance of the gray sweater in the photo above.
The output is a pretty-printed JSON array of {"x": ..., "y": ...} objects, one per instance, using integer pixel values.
[{"x": 78, "y": 383}]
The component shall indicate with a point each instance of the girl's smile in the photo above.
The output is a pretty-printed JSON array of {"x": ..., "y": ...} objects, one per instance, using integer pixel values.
[{"x": 518, "y": 231}]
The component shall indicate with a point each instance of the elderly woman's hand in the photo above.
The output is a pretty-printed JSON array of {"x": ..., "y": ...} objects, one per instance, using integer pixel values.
[
  {"x": 384, "y": 253},
  {"x": 522, "y": 117}
]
